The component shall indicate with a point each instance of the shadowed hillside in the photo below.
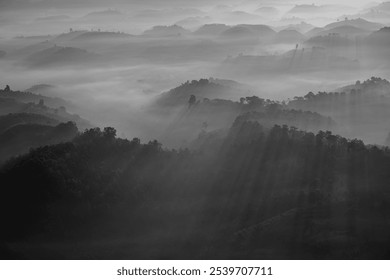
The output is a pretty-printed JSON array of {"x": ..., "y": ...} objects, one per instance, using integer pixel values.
[{"x": 256, "y": 193}]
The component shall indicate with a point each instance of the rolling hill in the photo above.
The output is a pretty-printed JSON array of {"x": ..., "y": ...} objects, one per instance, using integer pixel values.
[{"x": 60, "y": 57}]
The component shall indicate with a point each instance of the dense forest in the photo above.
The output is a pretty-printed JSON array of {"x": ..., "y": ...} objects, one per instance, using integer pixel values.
[{"x": 256, "y": 193}]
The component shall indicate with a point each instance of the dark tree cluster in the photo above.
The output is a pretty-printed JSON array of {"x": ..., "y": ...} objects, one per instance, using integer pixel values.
[{"x": 258, "y": 192}]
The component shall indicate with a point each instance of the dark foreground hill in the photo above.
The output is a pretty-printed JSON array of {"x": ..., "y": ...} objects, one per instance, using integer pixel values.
[
  {"x": 21, "y": 137},
  {"x": 256, "y": 193}
]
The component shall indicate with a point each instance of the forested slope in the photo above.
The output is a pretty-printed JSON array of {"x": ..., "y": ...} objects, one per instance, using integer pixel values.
[{"x": 256, "y": 193}]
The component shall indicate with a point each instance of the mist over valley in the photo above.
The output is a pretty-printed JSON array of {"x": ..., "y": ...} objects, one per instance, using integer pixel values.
[{"x": 221, "y": 127}]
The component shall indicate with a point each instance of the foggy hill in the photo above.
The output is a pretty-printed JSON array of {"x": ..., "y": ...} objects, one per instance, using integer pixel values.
[
  {"x": 220, "y": 113},
  {"x": 26, "y": 102},
  {"x": 293, "y": 62},
  {"x": 173, "y": 30},
  {"x": 301, "y": 27},
  {"x": 8, "y": 105},
  {"x": 193, "y": 22},
  {"x": 238, "y": 32},
  {"x": 363, "y": 108},
  {"x": 20, "y": 138},
  {"x": 376, "y": 44},
  {"x": 331, "y": 41},
  {"x": 66, "y": 37},
  {"x": 34, "y": 95},
  {"x": 10, "y": 120},
  {"x": 198, "y": 109},
  {"x": 288, "y": 19},
  {"x": 368, "y": 48},
  {"x": 231, "y": 84},
  {"x": 211, "y": 29},
  {"x": 382, "y": 31},
  {"x": 31, "y": 49},
  {"x": 378, "y": 12},
  {"x": 289, "y": 36},
  {"x": 204, "y": 88},
  {"x": 60, "y": 56},
  {"x": 259, "y": 29},
  {"x": 345, "y": 30},
  {"x": 40, "y": 88},
  {"x": 358, "y": 23},
  {"x": 374, "y": 15},
  {"x": 314, "y": 31},
  {"x": 305, "y": 9},
  {"x": 380, "y": 38},
  {"x": 100, "y": 35},
  {"x": 373, "y": 87}
]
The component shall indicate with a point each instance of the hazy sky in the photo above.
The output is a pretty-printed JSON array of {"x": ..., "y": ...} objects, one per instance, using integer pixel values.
[{"x": 18, "y": 4}]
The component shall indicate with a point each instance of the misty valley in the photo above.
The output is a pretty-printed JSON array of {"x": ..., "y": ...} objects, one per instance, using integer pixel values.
[{"x": 210, "y": 130}]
